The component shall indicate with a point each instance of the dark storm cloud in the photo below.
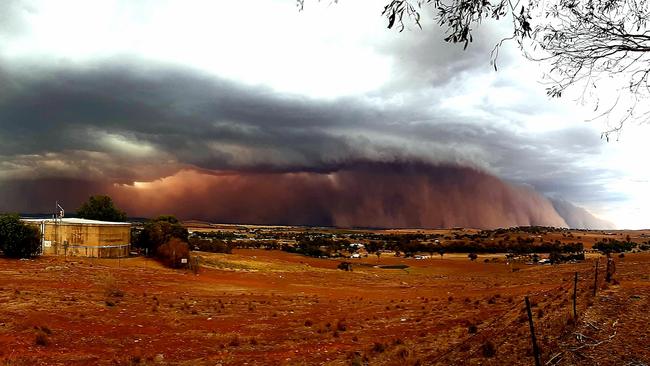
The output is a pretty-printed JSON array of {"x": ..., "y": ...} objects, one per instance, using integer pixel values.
[
  {"x": 40, "y": 195},
  {"x": 98, "y": 119},
  {"x": 206, "y": 122}
]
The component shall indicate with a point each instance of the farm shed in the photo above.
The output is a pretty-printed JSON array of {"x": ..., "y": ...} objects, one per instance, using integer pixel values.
[{"x": 84, "y": 238}]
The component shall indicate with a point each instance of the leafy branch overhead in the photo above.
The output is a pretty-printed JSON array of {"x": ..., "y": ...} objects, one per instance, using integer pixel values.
[{"x": 588, "y": 45}]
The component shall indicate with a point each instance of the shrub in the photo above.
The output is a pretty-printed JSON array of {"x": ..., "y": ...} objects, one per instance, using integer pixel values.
[
  {"x": 488, "y": 349},
  {"x": 341, "y": 326},
  {"x": 17, "y": 239},
  {"x": 234, "y": 342},
  {"x": 211, "y": 245},
  {"x": 111, "y": 289},
  {"x": 403, "y": 353},
  {"x": 378, "y": 347},
  {"x": 157, "y": 232},
  {"x": 41, "y": 339},
  {"x": 613, "y": 246},
  {"x": 172, "y": 252}
]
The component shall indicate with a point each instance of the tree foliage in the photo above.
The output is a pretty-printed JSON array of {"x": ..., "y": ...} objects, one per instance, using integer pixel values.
[
  {"x": 614, "y": 246},
  {"x": 588, "y": 45},
  {"x": 159, "y": 231},
  {"x": 17, "y": 239},
  {"x": 100, "y": 207},
  {"x": 211, "y": 245}
]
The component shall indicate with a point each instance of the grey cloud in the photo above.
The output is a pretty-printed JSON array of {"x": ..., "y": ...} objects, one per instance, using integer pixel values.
[
  {"x": 11, "y": 17},
  {"x": 190, "y": 119},
  {"x": 423, "y": 60}
]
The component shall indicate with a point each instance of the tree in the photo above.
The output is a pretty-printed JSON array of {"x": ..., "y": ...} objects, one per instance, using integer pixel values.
[
  {"x": 472, "y": 256},
  {"x": 587, "y": 45},
  {"x": 100, "y": 207},
  {"x": 18, "y": 239},
  {"x": 159, "y": 231}
]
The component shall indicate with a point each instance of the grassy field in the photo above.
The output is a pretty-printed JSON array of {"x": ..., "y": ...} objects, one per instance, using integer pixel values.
[{"x": 259, "y": 307}]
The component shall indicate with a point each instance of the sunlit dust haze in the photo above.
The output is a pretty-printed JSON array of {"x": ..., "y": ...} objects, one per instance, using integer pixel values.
[{"x": 366, "y": 195}]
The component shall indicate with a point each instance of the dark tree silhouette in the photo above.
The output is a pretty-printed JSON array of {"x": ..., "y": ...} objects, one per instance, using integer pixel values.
[
  {"x": 100, "y": 208},
  {"x": 159, "y": 231}
]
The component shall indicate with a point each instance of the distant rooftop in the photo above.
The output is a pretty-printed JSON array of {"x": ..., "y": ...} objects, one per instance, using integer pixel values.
[{"x": 78, "y": 221}]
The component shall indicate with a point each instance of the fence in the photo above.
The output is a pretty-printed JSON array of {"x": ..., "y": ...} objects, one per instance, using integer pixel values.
[{"x": 535, "y": 324}]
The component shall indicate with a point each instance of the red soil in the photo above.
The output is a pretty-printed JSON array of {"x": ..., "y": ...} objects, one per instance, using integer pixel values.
[{"x": 87, "y": 312}]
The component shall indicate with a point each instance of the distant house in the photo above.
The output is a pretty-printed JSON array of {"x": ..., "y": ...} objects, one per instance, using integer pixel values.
[
  {"x": 357, "y": 246},
  {"x": 83, "y": 238}
]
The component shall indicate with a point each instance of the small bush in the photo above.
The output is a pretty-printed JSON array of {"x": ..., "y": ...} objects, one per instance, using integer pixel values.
[
  {"x": 378, "y": 347},
  {"x": 341, "y": 326},
  {"x": 234, "y": 342},
  {"x": 403, "y": 353},
  {"x": 17, "y": 239},
  {"x": 488, "y": 349},
  {"x": 111, "y": 289},
  {"x": 472, "y": 329},
  {"x": 171, "y": 253},
  {"x": 41, "y": 339},
  {"x": 211, "y": 245}
]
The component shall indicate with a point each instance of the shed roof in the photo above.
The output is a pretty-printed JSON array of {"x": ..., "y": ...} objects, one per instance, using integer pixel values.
[{"x": 78, "y": 221}]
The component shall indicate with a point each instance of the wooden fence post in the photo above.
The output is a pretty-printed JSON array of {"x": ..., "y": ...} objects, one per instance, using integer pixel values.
[
  {"x": 575, "y": 295},
  {"x": 538, "y": 361},
  {"x": 596, "y": 277}
]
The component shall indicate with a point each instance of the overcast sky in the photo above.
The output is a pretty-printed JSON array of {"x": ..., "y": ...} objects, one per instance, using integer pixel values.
[{"x": 129, "y": 92}]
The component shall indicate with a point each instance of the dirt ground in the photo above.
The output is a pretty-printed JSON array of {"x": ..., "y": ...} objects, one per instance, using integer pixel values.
[{"x": 258, "y": 307}]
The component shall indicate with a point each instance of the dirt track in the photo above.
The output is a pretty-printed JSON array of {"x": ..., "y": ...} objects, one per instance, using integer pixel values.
[{"x": 270, "y": 307}]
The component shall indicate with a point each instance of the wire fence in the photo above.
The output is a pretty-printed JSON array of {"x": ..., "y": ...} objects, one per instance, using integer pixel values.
[{"x": 508, "y": 333}]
